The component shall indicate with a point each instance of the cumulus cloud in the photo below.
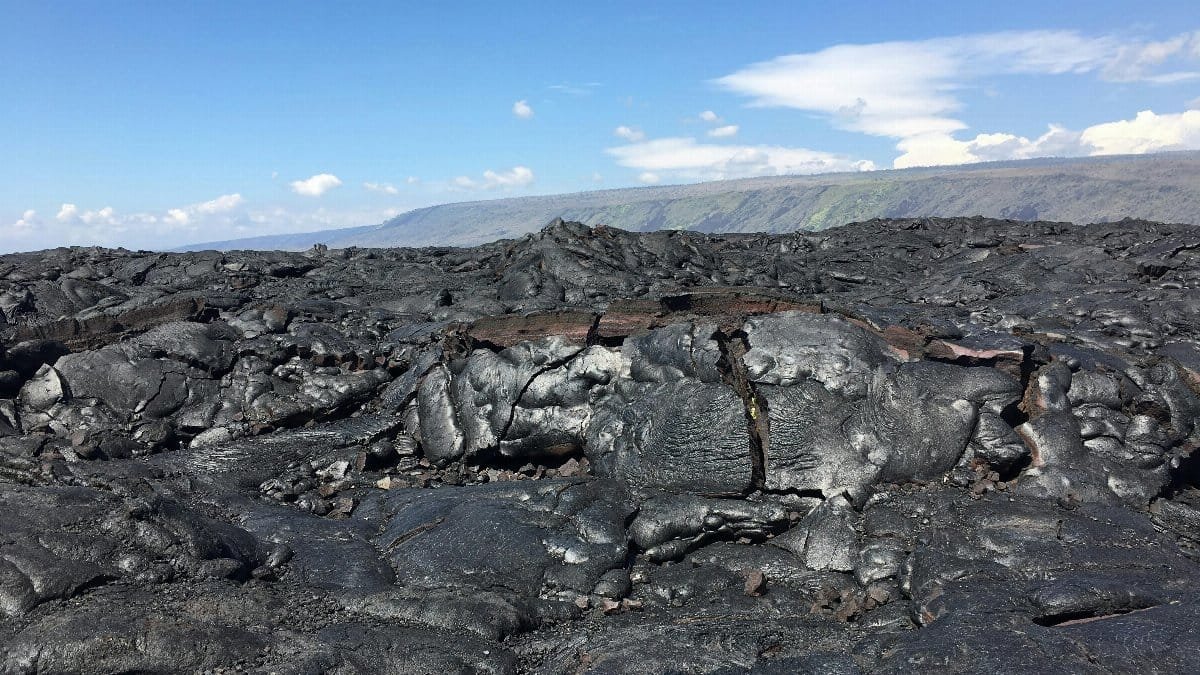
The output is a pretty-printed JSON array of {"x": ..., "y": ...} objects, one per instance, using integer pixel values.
[
  {"x": 522, "y": 109},
  {"x": 385, "y": 188},
  {"x": 1146, "y": 132},
  {"x": 412, "y": 180},
  {"x": 649, "y": 177},
  {"x": 25, "y": 233},
  {"x": 173, "y": 227},
  {"x": 726, "y": 131},
  {"x": 74, "y": 227},
  {"x": 514, "y": 177},
  {"x": 686, "y": 159},
  {"x": 629, "y": 133},
  {"x": 178, "y": 217},
  {"x": 185, "y": 215},
  {"x": 104, "y": 226},
  {"x": 317, "y": 185},
  {"x": 709, "y": 116},
  {"x": 104, "y": 216},
  {"x": 518, "y": 176},
  {"x": 27, "y": 221},
  {"x": 227, "y": 216},
  {"x": 938, "y": 149}
]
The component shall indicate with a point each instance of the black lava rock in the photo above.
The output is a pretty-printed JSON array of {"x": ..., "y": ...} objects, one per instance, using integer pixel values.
[{"x": 958, "y": 445}]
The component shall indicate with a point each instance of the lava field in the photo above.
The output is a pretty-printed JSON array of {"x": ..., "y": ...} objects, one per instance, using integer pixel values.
[{"x": 924, "y": 445}]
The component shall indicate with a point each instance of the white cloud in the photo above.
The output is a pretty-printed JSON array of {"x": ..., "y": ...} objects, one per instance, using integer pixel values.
[
  {"x": 522, "y": 109},
  {"x": 514, "y": 177},
  {"x": 24, "y": 234},
  {"x": 186, "y": 215},
  {"x": 106, "y": 227},
  {"x": 908, "y": 89},
  {"x": 317, "y": 185},
  {"x": 225, "y": 217},
  {"x": 1146, "y": 132},
  {"x": 27, "y": 221},
  {"x": 86, "y": 228},
  {"x": 902, "y": 89},
  {"x": 412, "y": 180},
  {"x": 518, "y": 176},
  {"x": 686, "y": 159},
  {"x": 939, "y": 149},
  {"x": 629, "y": 133},
  {"x": 648, "y": 177},
  {"x": 709, "y": 116},
  {"x": 584, "y": 89},
  {"x": 1134, "y": 61},
  {"x": 220, "y": 204},
  {"x": 177, "y": 217},
  {"x": 104, "y": 216},
  {"x": 1194, "y": 104},
  {"x": 1173, "y": 78},
  {"x": 596, "y": 177},
  {"x": 385, "y": 188},
  {"x": 70, "y": 213},
  {"x": 727, "y": 131},
  {"x": 67, "y": 213}
]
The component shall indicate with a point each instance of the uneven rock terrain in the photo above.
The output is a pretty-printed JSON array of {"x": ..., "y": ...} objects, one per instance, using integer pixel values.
[{"x": 956, "y": 445}]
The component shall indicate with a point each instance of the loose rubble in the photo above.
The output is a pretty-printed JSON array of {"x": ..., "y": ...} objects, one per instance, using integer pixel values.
[{"x": 938, "y": 444}]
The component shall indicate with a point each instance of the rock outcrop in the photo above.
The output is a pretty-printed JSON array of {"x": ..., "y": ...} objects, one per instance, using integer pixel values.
[{"x": 956, "y": 444}]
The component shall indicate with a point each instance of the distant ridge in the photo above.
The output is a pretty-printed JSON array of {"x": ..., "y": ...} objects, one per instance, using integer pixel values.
[{"x": 1163, "y": 187}]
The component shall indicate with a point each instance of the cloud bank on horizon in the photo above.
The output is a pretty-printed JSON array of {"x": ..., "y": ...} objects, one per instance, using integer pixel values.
[{"x": 864, "y": 106}]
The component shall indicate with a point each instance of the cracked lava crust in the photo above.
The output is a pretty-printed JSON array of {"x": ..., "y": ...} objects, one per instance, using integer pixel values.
[{"x": 957, "y": 445}]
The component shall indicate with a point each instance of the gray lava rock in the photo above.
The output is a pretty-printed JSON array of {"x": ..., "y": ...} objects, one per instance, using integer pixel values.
[
  {"x": 684, "y": 436},
  {"x": 526, "y": 538},
  {"x": 942, "y": 444}
]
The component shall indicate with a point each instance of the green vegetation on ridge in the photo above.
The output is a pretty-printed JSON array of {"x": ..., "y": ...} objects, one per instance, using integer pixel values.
[{"x": 1163, "y": 187}]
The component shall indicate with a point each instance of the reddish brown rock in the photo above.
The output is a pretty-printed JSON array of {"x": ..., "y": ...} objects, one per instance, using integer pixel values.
[
  {"x": 510, "y": 329},
  {"x": 756, "y": 583}
]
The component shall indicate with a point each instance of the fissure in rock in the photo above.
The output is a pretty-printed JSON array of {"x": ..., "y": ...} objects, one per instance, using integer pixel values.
[{"x": 733, "y": 346}]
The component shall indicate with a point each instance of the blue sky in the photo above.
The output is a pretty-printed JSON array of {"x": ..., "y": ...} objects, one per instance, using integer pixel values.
[{"x": 153, "y": 124}]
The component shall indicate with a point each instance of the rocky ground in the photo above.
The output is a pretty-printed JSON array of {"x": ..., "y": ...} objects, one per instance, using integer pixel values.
[{"x": 943, "y": 445}]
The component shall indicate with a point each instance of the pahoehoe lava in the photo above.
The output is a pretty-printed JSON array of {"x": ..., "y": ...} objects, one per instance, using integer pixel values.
[{"x": 928, "y": 444}]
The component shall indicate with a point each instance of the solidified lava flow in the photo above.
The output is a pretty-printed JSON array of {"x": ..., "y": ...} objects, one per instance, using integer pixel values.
[{"x": 933, "y": 444}]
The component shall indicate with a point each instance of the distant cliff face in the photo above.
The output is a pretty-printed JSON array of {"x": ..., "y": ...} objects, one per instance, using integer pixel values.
[{"x": 1163, "y": 187}]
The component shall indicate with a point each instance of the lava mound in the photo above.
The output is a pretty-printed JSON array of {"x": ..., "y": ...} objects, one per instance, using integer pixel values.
[{"x": 957, "y": 445}]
